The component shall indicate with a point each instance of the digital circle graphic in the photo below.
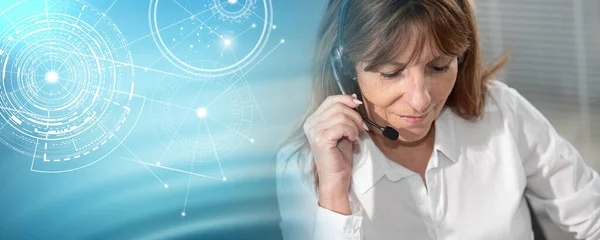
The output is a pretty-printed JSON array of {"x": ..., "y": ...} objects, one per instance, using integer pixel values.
[
  {"x": 207, "y": 118},
  {"x": 235, "y": 11},
  {"x": 66, "y": 85},
  {"x": 232, "y": 33}
]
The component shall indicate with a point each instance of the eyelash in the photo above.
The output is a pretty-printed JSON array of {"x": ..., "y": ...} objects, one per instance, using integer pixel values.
[
  {"x": 395, "y": 74},
  {"x": 441, "y": 69},
  {"x": 386, "y": 76}
]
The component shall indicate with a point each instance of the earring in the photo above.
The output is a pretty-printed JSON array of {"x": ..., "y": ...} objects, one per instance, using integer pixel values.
[{"x": 354, "y": 78}]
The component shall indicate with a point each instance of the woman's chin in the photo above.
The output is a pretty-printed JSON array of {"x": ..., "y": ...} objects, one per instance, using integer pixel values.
[
  {"x": 412, "y": 134},
  {"x": 411, "y": 138}
]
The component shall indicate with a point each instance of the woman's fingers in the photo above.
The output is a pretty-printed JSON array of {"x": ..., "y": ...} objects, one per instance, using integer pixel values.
[
  {"x": 338, "y": 131},
  {"x": 347, "y": 100},
  {"x": 338, "y": 110}
]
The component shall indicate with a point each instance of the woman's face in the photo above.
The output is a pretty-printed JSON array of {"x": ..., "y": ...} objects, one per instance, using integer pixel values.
[{"x": 408, "y": 96}]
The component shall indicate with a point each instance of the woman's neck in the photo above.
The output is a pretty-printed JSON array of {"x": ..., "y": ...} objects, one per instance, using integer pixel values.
[{"x": 414, "y": 155}]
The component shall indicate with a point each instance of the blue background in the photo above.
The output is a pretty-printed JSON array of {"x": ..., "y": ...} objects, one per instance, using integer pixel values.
[{"x": 118, "y": 199}]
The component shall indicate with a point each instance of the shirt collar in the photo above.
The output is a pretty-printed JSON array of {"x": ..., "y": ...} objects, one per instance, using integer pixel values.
[
  {"x": 446, "y": 140},
  {"x": 370, "y": 164}
]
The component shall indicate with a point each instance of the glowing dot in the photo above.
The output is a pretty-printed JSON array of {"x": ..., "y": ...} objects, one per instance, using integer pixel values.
[
  {"x": 192, "y": 18},
  {"x": 282, "y": 41},
  {"x": 224, "y": 179},
  {"x": 173, "y": 39},
  {"x": 227, "y": 42},
  {"x": 191, "y": 46},
  {"x": 183, "y": 214},
  {"x": 201, "y": 112},
  {"x": 254, "y": 25},
  {"x": 1, "y": 52},
  {"x": 146, "y": 69},
  {"x": 251, "y": 140},
  {"x": 274, "y": 27},
  {"x": 207, "y": 45},
  {"x": 166, "y": 185},
  {"x": 181, "y": 28},
  {"x": 158, "y": 163},
  {"x": 10, "y": 38},
  {"x": 232, "y": 1},
  {"x": 197, "y": 34},
  {"x": 201, "y": 27},
  {"x": 52, "y": 77}
]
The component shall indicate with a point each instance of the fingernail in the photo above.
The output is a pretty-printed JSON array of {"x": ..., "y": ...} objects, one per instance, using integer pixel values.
[
  {"x": 365, "y": 126},
  {"x": 355, "y": 100}
]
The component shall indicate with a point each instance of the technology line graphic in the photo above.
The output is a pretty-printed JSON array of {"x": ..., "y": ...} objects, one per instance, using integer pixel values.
[
  {"x": 207, "y": 30},
  {"x": 237, "y": 13},
  {"x": 68, "y": 97},
  {"x": 60, "y": 81},
  {"x": 223, "y": 102}
]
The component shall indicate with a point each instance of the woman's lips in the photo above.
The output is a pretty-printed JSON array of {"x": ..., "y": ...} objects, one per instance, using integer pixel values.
[{"x": 413, "y": 119}]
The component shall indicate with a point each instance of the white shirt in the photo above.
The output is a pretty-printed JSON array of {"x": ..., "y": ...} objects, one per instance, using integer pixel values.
[{"x": 477, "y": 177}]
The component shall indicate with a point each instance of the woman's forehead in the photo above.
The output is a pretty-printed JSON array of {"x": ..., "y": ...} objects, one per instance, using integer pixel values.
[
  {"x": 416, "y": 41},
  {"x": 417, "y": 50}
]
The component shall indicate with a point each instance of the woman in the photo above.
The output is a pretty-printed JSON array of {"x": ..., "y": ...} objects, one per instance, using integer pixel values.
[{"x": 468, "y": 151}]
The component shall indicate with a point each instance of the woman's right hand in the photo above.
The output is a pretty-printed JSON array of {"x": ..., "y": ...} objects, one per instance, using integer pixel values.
[{"x": 331, "y": 130}]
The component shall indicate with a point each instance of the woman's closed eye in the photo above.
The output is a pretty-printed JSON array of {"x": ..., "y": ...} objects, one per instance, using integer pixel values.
[
  {"x": 440, "y": 68},
  {"x": 395, "y": 74},
  {"x": 390, "y": 75}
]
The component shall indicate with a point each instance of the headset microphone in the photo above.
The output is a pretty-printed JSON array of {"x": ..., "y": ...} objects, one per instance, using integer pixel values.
[{"x": 337, "y": 66}]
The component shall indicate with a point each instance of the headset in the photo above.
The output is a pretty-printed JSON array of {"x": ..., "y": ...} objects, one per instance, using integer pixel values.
[{"x": 339, "y": 66}]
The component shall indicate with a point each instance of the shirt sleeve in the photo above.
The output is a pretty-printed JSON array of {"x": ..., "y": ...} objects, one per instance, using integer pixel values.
[
  {"x": 301, "y": 216},
  {"x": 558, "y": 179}
]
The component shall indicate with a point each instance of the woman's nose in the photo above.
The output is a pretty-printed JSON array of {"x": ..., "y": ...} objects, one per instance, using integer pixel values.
[{"x": 417, "y": 93}]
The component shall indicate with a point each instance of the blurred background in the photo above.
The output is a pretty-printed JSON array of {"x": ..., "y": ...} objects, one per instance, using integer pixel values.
[{"x": 555, "y": 64}]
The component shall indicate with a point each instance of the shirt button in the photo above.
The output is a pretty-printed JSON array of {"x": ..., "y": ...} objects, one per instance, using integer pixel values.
[{"x": 352, "y": 231}]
